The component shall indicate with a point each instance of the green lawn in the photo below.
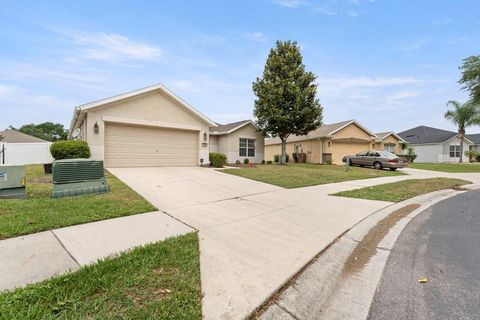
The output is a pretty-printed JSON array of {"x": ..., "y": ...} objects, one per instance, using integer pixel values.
[
  {"x": 402, "y": 190},
  {"x": 158, "y": 281},
  {"x": 303, "y": 175},
  {"x": 40, "y": 212},
  {"x": 447, "y": 167}
]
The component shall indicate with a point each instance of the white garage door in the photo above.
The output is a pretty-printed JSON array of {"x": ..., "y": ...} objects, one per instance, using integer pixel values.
[{"x": 135, "y": 146}]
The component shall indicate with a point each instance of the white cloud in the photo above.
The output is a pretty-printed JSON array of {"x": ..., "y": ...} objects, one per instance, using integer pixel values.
[
  {"x": 338, "y": 84},
  {"x": 326, "y": 11},
  {"x": 403, "y": 94},
  {"x": 255, "y": 36},
  {"x": 411, "y": 45},
  {"x": 291, "y": 3},
  {"x": 353, "y": 13},
  {"x": 114, "y": 47},
  {"x": 206, "y": 39},
  {"x": 7, "y": 89}
]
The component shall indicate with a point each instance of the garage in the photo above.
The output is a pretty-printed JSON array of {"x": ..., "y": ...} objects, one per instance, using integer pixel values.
[
  {"x": 148, "y": 127},
  {"x": 143, "y": 146},
  {"x": 342, "y": 148}
]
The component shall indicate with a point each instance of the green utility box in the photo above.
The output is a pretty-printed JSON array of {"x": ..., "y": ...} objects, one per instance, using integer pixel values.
[
  {"x": 74, "y": 177},
  {"x": 12, "y": 182}
]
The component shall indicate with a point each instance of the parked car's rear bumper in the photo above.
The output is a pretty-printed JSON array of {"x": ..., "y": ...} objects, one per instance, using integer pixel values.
[{"x": 398, "y": 165}]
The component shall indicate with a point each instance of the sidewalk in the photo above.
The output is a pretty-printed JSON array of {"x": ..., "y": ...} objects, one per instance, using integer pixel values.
[{"x": 39, "y": 256}]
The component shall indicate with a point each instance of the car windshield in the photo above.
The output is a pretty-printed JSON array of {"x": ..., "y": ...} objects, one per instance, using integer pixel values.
[
  {"x": 388, "y": 154},
  {"x": 362, "y": 154}
]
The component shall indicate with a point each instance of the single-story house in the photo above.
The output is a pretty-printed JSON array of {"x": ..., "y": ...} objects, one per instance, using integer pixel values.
[
  {"x": 146, "y": 127},
  {"x": 327, "y": 144},
  {"x": 389, "y": 141},
  {"x": 476, "y": 140},
  {"x": 238, "y": 141},
  {"x": 437, "y": 145},
  {"x": 19, "y": 148}
]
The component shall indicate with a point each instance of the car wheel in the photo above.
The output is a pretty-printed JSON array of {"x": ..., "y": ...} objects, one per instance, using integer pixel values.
[{"x": 378, "y": 165}]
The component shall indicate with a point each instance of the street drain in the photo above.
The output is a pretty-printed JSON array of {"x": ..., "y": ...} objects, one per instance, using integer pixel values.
[{"x": 366, "y": 248}]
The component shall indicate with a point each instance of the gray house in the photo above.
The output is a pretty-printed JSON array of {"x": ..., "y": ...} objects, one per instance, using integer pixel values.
[{"x": 437, "y": 145}]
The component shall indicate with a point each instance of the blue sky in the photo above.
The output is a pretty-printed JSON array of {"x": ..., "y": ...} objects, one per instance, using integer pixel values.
[{"x": 391, "y": 64}]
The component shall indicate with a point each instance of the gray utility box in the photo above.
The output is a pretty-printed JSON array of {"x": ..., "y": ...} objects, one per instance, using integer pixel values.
[
  {"x": 12, "y": 181},
  {"x": 75, "y": 177}
]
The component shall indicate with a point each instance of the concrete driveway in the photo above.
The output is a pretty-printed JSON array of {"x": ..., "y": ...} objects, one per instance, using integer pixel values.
[{"x": 253, "y": 236}]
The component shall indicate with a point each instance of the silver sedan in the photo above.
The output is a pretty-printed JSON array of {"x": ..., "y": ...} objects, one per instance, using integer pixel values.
[{"x": 376, "y": 159}]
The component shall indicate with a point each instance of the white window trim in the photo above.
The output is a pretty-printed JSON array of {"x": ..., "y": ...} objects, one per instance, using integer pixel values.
[
  {"x": 247, "y": 148},
  {"x": 456, "y": 150}
]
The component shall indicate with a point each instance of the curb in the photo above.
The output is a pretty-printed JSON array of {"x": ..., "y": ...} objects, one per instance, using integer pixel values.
[{"x": 319, "y": 291}]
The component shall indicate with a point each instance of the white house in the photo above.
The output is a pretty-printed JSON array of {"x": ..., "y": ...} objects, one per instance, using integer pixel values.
[{"x": 437, "y": 145}]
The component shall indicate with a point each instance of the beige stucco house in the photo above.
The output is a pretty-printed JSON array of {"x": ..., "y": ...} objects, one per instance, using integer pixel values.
[
  {"x": 238, "y": 141},
  {"x": 327, "y": 144},
  {"x": 146, "y": 127},
  {"x": 389, "y": 141}
]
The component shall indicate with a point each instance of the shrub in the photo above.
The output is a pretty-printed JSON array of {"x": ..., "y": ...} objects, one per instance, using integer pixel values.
[
  {"x": 269, "y": 162},
  {"x": 237, "y": 162},
  {"x": 246, "y": 161},
  {"x": 276, "y": 158},
  {"x": 410, "y": 155},
  {"x": 263, "y": 161},
  {"x": 472, "y": 155},
  {"x": 217, "y": 159},
  {"x": 70, "y": 149}
]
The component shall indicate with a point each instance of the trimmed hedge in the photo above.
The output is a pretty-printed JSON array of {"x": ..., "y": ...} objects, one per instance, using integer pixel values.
[
  {"x": 217, "y": 159},
  {"x": 246, "y": 161},
  {"x": 70, "y": 149},
  {"x": 276, "y": 158}
]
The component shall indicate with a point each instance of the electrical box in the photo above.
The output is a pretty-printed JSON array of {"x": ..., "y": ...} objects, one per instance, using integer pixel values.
[
  {"x": 12, "y": 181},
  {"x": 74, "y": 177}
]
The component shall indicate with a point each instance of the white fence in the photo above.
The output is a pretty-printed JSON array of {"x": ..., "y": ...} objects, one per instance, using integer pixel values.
[{"x": 25, "y": 153}]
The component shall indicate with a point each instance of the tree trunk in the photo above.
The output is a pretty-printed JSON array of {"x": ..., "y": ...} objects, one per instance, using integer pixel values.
[
  {"x": 283, "y": 156},
  {"x": 462, "y": 137}
]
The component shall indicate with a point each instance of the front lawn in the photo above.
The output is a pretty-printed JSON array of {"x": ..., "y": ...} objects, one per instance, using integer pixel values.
[
  {"x": 447, "y": 167},
  {"x": 40, "y": 212},
  {"x": 303, "y": 175},
  {"x": 402, "y": 190},
  {"x": 158, "y": 281}
]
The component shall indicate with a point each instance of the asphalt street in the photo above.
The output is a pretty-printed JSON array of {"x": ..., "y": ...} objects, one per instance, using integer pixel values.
[{"x": 441, "y": 244}]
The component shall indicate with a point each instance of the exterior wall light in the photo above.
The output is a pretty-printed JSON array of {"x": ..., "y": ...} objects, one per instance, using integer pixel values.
[
  {"x": 96, "y": 128},
  {"x": 204, "y": 136}
]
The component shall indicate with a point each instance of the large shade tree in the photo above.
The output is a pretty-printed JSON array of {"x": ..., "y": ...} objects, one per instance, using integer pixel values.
[
  {"x": 47, "y": 131},
  {"x": 286, "y": 102},
  {"x": 463, "y": 116},
  {"x": 470, "y": 79}
]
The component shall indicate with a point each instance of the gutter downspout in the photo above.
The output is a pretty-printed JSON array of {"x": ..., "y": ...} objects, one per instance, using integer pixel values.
[{"x": 321, "y": 150}]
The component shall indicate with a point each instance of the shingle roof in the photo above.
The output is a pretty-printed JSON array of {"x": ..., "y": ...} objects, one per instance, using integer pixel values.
[
  {"x": 474, "y": 137},
  {"x": 14, "y": 136},
  {"x": 226, "y": 128},
  {"x": 382, "y": 135},
  {"x": 424, "y": 134},
  {"x": 321, "y": 132}
]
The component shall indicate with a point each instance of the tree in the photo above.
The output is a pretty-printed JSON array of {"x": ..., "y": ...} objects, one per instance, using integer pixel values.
[
  {"x": 463, "y": 116},
  {"x": 47, "y": 131},
  {"x": 286, "y": 100},
  {"x": 470, "y": 79}
]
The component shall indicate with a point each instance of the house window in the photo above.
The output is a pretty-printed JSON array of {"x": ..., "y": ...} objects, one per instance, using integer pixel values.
[
  {"x": 389, "y": 147},
  {"x": 247, "y": 147},
  {"x": 454, "y": 151}
]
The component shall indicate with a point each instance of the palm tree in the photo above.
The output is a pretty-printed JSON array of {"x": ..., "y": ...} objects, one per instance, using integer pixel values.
[{"x": 463, "y": 116}]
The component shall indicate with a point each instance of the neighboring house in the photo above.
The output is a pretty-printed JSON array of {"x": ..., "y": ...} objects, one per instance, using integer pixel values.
[
  {"x": 238, "y": 141},
  {"x": 436, "y": 145},
  {"x": 327, "y": 144},
  {"x": 389, "y": 141},
  {"x": 476, "y": 140},
  {"x": 20, "y": 148},
  {"x": 146, "y": 127}
]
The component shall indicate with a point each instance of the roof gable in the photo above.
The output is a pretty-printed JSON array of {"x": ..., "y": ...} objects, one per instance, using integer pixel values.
[
  {"x": 221, "y": 129},
  {"x": 14, "y": 136},
  {"x": 83, "y": 109},
  {"x": 323, "y": 131}
]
